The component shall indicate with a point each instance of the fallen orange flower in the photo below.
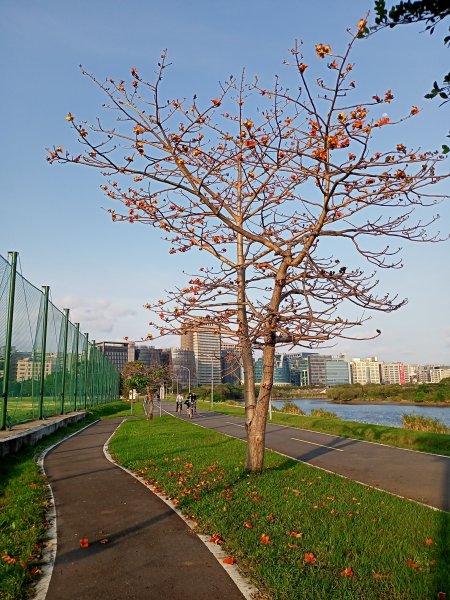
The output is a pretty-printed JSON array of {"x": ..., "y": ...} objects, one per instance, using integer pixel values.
[
  {"x": 248, "y": 525},
  {"x": 310, "y": 558},
  {"x": 84, "y": 542},
  {"x": 265, "y": 539},
  {"x": 347, "y": 572},
  {"x": 294, "y": 534},
  {"x": 229, "y": 560},
  {"x": 428, "y": 541}
]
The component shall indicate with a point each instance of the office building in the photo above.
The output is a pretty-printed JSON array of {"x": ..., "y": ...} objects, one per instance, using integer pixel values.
[
  {"x": 184, "y": 369},
  {"x": 204, "y": 342},
  {"x": 366, "y": 371},
  {"x": 230, "y": 364},
  {"x": 119, "y": 353}
]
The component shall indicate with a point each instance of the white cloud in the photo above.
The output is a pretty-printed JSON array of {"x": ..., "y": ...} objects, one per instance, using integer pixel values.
[{"x": 97, "y": 316}]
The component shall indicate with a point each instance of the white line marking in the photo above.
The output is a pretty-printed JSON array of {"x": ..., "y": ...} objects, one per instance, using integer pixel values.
[
  {"x": 237, "y": 424},
  {"x": 314, "y": 444}
]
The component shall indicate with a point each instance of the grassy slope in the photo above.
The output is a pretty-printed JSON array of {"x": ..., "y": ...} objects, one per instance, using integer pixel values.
[{"x": 395, "y": 549}]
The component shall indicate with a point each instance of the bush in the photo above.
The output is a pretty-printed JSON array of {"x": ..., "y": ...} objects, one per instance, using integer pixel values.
[
  {"x": 292, "y": 409},
  {"x": 319, "y": 412},
  {"x": 419, "y": 423}
]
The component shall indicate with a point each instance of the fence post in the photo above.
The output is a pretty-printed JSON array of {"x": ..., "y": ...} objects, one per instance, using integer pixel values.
[
  {"x": 64, "y": 366},
  {"x": 43, "y": 353},
  {"x": 9, "y": 326},
  {"x": 93, "y": 389},
  {"x": 75, "y": 387},
  {"x": 86, "y": 359}
]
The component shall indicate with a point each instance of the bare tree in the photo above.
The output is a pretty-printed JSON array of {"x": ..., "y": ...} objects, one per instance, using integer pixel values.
[{"x": 292, "y": 205}]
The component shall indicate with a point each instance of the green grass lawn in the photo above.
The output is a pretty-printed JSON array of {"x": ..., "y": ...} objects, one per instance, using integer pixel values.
[
  {"x": 296, "y": 531},
  {"x": 423, "y": 441}
]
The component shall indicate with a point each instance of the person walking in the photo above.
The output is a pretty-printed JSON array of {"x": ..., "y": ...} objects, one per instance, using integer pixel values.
[
  {"x": 188, "y": 403},
  {"x": 194, "y": 403},
  {"x": 179, "y": 401}
]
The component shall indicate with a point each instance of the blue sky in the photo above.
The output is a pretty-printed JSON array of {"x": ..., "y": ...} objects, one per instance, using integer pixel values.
[{"x": 54, "y": 215}]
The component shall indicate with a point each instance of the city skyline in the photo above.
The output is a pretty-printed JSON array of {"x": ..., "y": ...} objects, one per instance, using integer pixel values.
[{"x": 106, "y": 272}]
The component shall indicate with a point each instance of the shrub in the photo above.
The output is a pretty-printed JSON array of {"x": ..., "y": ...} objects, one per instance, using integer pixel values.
[
  {"x": 292, "y": 409},
  {"x": 319, "y": 412},
  {"x": 419, "y": 423}
]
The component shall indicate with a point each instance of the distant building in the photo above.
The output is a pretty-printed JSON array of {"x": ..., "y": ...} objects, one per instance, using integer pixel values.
[
  {"x": 281, "y": 373},
  {"x": 230, "y": 364},
  {"x": 317, "y": 366},
  {"x": 27, "y": 368},
  {"x": 299, "y": 368},
  {"x": 183, "y": 367},
  {"x": 393, "y": 373},
  {"x": 337, "y": 371},
  {"x": 149, "y": 355},
  {"x": 204, "y": 342},
  {"x": 366, "y": 371},
  {"x": 119, "y": 353},
  {"x": 437, "y": 374}
]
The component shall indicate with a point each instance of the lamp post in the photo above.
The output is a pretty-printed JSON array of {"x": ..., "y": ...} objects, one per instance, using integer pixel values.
[
  {"x": 212, "y": 381},
  {"x": 189, "y": 374}
]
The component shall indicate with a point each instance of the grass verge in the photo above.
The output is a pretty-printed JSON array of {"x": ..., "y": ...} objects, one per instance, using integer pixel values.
[
  {"x": 423, "y": 441},
  {"x": 23, "y": 506},
  {"x": 296, "y": 531}
]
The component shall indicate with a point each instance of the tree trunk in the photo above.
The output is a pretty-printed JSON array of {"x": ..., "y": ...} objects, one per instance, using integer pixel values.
[{"x": 256, "y": 428}]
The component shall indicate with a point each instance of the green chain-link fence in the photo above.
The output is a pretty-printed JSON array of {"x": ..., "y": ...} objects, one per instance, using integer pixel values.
[{"x": 47, "y": 367}]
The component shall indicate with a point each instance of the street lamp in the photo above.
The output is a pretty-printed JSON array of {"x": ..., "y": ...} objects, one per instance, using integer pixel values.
[
  {"x": 212, "y": 381},
  {"x": 189, "y": 374}
]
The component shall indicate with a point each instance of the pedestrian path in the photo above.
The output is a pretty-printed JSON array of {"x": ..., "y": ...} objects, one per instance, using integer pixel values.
[{"x": 138, "y": 548}]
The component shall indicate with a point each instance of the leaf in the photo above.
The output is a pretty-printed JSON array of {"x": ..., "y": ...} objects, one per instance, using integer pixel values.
[{"x": 445, "y": 149}]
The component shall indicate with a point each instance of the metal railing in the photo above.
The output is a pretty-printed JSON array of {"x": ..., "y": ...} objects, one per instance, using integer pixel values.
[{"x": 47, "y": 366}]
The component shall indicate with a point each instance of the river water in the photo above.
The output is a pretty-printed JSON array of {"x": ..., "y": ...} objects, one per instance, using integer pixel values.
[{"x": 379, "y": 414}]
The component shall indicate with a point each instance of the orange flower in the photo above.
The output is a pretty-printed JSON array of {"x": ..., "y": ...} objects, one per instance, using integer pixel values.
[
  {"x": 414, "y": 110},
  {"x": 248, "y": 525},
  {"x": 216, "y": 101},
  {"x": 69, "y": 117},
  {"x": 428, "y": 541},
  {"x": 294, "y": 534},
  {"x": 84, "y": 543},
  {"x": 248, "y": 124},
  {"x": 265, "y": 539},
  {"x": 229, "y": 560},
  {"x": 216, "y": 539},
  {"x": 250, "y": 143},
  {"x": 389, "y": 96},
  {"x": 302, "y": 67},
  {"x": 322, "y": 50},
  {"x": 310, "y": 558},
  {"x": 347, "y": 572}
]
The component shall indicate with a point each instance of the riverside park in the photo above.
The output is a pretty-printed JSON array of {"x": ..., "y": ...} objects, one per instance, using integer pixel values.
[{"x": 224, "y": 334}]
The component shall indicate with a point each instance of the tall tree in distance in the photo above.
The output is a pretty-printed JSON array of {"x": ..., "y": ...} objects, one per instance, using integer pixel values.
[{"x": 282, "y": 191}]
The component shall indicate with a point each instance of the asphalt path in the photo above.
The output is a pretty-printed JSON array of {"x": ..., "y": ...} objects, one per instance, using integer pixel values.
[
  {"x": 138, "y": 547},
  {"x": 418, "y": 476}
]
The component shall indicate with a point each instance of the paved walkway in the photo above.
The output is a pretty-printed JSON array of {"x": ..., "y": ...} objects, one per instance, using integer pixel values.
[
  {"x": 415, "y": 475},
  {"x": 150, "y": 551}
]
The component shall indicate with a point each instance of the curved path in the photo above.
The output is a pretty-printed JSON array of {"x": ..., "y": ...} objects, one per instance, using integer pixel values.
[
  {"x": 418, "y": 476},
  {"x": 150, "y": 552}
]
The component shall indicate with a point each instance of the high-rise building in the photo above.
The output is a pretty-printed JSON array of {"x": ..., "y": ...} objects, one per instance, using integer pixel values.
[
  {"x": 392, "y": 373},
  {"x": 149, "y": 355},
  {"x": 337, "y": 371},
  {"x": 230, "y": 364},
  {"x": 366, "y": 371},
  {"x": 31, "y": 369},
  {"x": 183, "y": 368},
  {"x": 299, "y": 368},
  {"x": 317, "y": 364},
  {"x": 204, "y": 342},
  {"x": 119, "y": 353},
  {"x": 281, "y": 372}
]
